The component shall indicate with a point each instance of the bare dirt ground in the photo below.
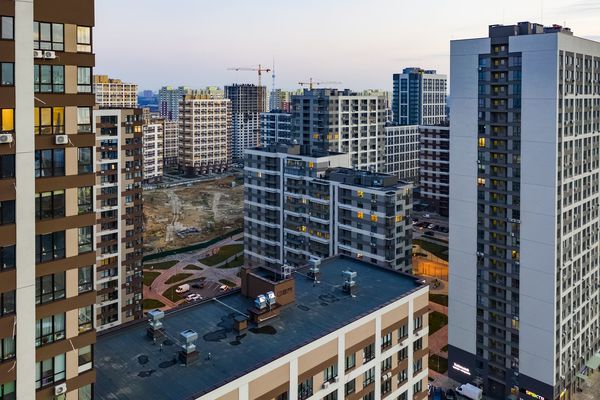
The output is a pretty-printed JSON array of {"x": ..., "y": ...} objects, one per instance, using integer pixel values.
[{"x": 180, "y": 216}]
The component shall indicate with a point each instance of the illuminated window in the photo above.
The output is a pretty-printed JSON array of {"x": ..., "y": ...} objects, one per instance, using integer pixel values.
[
  {"x": 481, "y": 181},
  {"x": 360, "y": 214},
  {"x": 303, "y": 228},
  {"x": 398, "y": 218},
  {"x": 315, "y": 135},
  {"x": 373, "y": 218},
  {"x": 7, "y": 120},
  {"x": 481, "y": 142},
  {"x": 311, "y": 164},
  {"x": 360, "y": 193}
]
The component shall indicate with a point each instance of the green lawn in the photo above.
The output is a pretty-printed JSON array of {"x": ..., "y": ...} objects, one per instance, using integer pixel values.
[
  {"x": 171, "y": 295},
  {"x": 441, "y": 299},
  {"x": 151, "y": 304},
  {"x": 227, "y": 282},
  {"x": 436, "y": 321},
  {"x": 437, "y": 363},
  {"x": 177, "y": 278},
  {"x": 224, "y": 253},
  {"x": 193, "y": 267},
  {"x": 436, "y": 249},
  {"x": 161, "y": 265},
  {"x": 238, "y": 262},
  {"x": 149, "y": 277}
]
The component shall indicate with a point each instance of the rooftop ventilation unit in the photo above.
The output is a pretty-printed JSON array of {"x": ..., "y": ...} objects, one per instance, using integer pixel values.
[
  {"x": 350, "y": 286},
  {"x": 271, "y": 299},
  {"x": 155, "y": 325},
  {"x": 314, "y": 270},
  {"x": 260, "y": 302},
  {"x": 188, "y": 351}
]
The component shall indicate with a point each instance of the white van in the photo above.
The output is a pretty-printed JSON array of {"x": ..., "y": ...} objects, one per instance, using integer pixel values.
[
  {"x": 183, "y": 288},
  {"x": 470, "y": 391}
]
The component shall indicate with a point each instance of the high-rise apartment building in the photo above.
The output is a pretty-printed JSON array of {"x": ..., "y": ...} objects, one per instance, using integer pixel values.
[
  {"x": 342, "y": 121},
  {"x": 300, "y": 206},
  {"x": 434, "y": 168},
  {"x": 47, "y": 254},
  {"x": 168, "y": 101},
  {"x": 204, "y": 135},
  {"x": 280, "y": 100},
  {"x": 402, "y": 152},
  {"x": 419, "y": 97},
  {"x": 171, "y": 145},
  {"x": 345, "y": 330},
  {"x": 275, "y": 128},
  {"x": 524, "y": 218},
  {"x": 247, "y": 102},
  {"x": 153, "y": 142},
  {"x": 118, "y": 199},
  {"x": 114, "y": 93}
]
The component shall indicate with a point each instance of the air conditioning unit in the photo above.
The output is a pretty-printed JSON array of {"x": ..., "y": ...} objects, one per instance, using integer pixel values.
[
  {"x": 6, "y": 138},
  {"x": 49, "y": 55},
  {"x": 60, "y": 389},
  {"x": 325, "y": 385},
  {"x": 61, "y": 139},
  {"x": 38, "y": 54}
]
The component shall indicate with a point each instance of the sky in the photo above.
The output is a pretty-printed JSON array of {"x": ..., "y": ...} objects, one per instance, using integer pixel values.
[{"x": 359, "y": 43}]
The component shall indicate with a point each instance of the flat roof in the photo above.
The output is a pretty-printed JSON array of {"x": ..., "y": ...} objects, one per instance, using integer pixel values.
[{"x": 130, "y": 366}]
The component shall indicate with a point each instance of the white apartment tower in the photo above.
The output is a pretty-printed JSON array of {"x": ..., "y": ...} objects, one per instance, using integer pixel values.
[
  {"x": 402, "y": 151},
  {"x": 114, "y": 93},
  {"x": 153, "y": 141},
  {"x": 524, "y": 216}
]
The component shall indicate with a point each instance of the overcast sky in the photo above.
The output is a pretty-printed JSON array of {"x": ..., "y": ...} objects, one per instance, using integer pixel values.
[{"x": 358, "y": 42}]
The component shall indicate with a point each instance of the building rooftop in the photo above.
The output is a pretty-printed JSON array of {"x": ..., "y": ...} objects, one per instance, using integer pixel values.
[
  {"x": 366, "y": 179},
  {"x": 130, "y": 366}
]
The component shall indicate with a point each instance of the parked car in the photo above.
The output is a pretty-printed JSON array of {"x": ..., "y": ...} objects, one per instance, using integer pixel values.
[
  {"x": 429, "y": 233},
  {"x": 426, "y": 216},
  {"x": 223, "y": 288},
  {"x": 430, "y": 226},
  {"x": 470, "y": 391},
  {"x": 183, "y": 288},
  {"x": 193, "y": 297}
]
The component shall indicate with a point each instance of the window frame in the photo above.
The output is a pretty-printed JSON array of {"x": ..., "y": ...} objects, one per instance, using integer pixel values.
[
  {"x": 4, "y": 390},
  {"x": 56, "y": 375},
  {"x": 56, "y": 252},
  {"x": 84, "y": 127},
  {"x": 10, "y": 355},
  {"x": 38, "y": 74},
  {"x": 85, "y": 166},
  {"x": 4, "y": 111},
  {"x": 54, "y": 45},
  {"x": 7, "y": 172},
  {"x": 6, "y": 266},
  {"x": 57, "y": 292},
  {"x": 84, "y": 86},
  {"x": 87, "y": 324},
  {"x": 85, "y": 280},
  {"x": 85, "y": 244},
  {"x": 84, "y": 47},
  {"x": 87, "y": 363},
  {"x": 8, "y": 212},
  {"x": 11, "y": 81},
  {"x": 4, "y": 301},
  {"x": 85, "y": 203},
  {"x": 55, "y": 127},
  {"x": 12, "y": 31},
  {"x": 56, "y": 334},
  {"x": 57, "y": 205},
  {"x": 55, "y": 168}
]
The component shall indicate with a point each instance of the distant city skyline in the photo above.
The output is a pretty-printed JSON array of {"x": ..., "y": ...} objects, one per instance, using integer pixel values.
[{"x": 361, "y": 44}]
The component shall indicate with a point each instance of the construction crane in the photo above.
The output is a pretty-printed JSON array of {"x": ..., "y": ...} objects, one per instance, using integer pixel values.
[
  {"x": 260, "y": 70},
  {"x": 312, "y": 83}
]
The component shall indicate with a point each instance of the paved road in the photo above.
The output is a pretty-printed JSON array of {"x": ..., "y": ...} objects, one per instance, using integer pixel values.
[{"x": 433, "y": 219}]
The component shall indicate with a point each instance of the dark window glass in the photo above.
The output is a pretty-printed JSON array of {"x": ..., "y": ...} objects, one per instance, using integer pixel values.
[
  {"x": 85, "y": 239},
  {"x": 86, "y": 279},
  {"x": 50, "y": 371},
  {"x": 7, "y": 212},
  {"x": 50, "y": 288},
  {"x": 50, "y": 246},
  {"x": 50, "y": 204},
  {"x": 49, "y": 329},
  {"x": 84, "y": 200},
  {"x": 84, "y": 160},
  {"x": 7, "y": 303},
  {"x": 49, "y": 78},
  {"x": 7, "y": 74},
  {"x": 7, "y": 349},
  {"x": 7, "y": 166},
  {"x": 7, "y": 257},
  {"x": 49, "y": 163}
]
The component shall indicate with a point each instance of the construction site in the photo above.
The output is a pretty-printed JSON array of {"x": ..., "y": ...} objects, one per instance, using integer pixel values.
[{"x": 195, "y": 212}]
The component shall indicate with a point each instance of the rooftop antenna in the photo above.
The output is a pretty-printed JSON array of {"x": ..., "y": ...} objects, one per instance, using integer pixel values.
[
  {"x": 542, "y": 11},
  {"x": 272, "y": 105}
]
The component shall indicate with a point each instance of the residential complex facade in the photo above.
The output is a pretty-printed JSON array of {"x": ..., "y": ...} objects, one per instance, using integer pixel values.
[
  {"x": 524, "y": 221},
  {"x": 119, "y": 225},
  {"x": 298, "y": 207},
  {"x": 247, "y": 103},
  {"x": 171, "y": 145},
  {"x": 342, "y": 121},
  {"x": 275, "y": 128},
  {"x": 370, "y": 342},
  {"x": 153, "y": 142},
  {"x": 419, "y": 97},
  {"x": 168, "y": 101},
  {"x": 115, "y": 93},
  {"x": 402, "y": 152},
  {"x": 434, "y": 168},
  {"x": 204, "y": 135},
  {"x": 47, "y": 217}
]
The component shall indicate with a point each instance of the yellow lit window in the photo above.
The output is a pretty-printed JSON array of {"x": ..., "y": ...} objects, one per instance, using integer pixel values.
[
  {"x": 481, "y": 181},
  {"x": 303, "y": 228},
  {"x": 315, "y": 135},
  {"x": 481, "y": 142},
  {"x": 360, "y": 194},
  {"x": 398, "y": 218},
  {"x": 373, "y": 218},
  {"x": 360, "y": 215},
  {"x": 311, "y": 164},
  {"x": 8, "y": 120}
]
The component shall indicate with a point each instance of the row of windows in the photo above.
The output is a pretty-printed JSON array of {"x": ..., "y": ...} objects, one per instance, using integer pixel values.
[
  {"x": 51, "y": 246},
  {"x": 51, "y": 79},
  {"x": 51, "y": 162}
]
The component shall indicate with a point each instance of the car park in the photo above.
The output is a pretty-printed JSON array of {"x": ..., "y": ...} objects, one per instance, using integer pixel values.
[
  {"x": 429, "y": 233},
  {"x": 430, "y": 226},
  {"x": 193, "y": 297}
]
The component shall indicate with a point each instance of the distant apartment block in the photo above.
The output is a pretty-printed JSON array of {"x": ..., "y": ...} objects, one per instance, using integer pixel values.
[
  {"x": 118, "y": 233},
  {"x": 434, "y": 168},
  {"x": 280, "y": 100},
  {"x": 275, "y": 127},
  {"x": 168, "y": 101},
  {"x": 346, "y": 329},
  {"x": 402, "y": 152},
  {"x": 247, "y": 103},
  {"x": 419, "y": 97},
  {"x": 342, "y": 121},
  {"x": 114, "y": 93},
  {"x": 153, "y": 141},
  {"x": 171, "y": 144},
  {"x": 300, "y": 206},
  {"x": 204, "y": 135}
]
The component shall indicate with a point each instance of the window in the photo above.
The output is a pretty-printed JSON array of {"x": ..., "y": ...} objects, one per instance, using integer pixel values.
[
  {"x": 49, "y": 163},
  {"x": 330, "y": 373},
  {"x": 369, "y": 377},
  {"x": 369, "y": 396},
  {"x": 373, "y": 218},
  {"x": 386, "y": 386},
  {"x": 47, "y": 36},
  {"x": 49, "y": 329},
  {"x": 369, "y": 352},
  {"x": 7, "y": 390},
  {"x": 7, "y": 166},
  {"x": 403, "y": 331},
  {"x": 360, "y": 214},
  {"x": 84, "y": 79},
  {"x": 84, "y": 120},
  {"x": 7, "y": 74},
  {"x": 49, "y": 288},
  {"x": 350, "y": 361},
  {"x": 49, "y": 371},
  {"x": 85, "y": 392},
  {"x": 49, "y": 120},
  {"x": 403, "y": 375},
  {"x": 7, "y": 303},
  {"x": 386, "y": 340},
  {"x": 7, "y": 348},
  {"x": 403, "y": 396},
  {"x": 84, "y": 39},
  {"x": 7, "y": 258},
  {"x": 418, "y": 322},
  {"x": 403, "y": 354},
  {"x": 7, "y": 120},
  {"x": 50, "y": 205},
  {"x": 7, "y": 212},
  {"x": 84, "y": 160},
  {"x": 85, "y": 319},
  {"x": 49, "y": 78},
  {"x": 86, "y": 279},
  {"x": 85, "y": 358},
  {"x": 418, "y": 344},
  {"x": 85, "y": 239},
  {"x": 417, "y": 365},
  {"x": 331, "y": 396},
  {"x": 305, "y": 389},
  {"x": 350, "y": 387},
  {"x": 7, "y": 28},
  {"x": 50, "y": 246},
  {"x": 418, "y": 387},
  {"x": 84, "y": 200},
  {"x": 386, "y": 364}
]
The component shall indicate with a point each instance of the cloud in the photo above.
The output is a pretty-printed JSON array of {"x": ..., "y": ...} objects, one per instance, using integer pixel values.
[{"x": 582, "y": 6}]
